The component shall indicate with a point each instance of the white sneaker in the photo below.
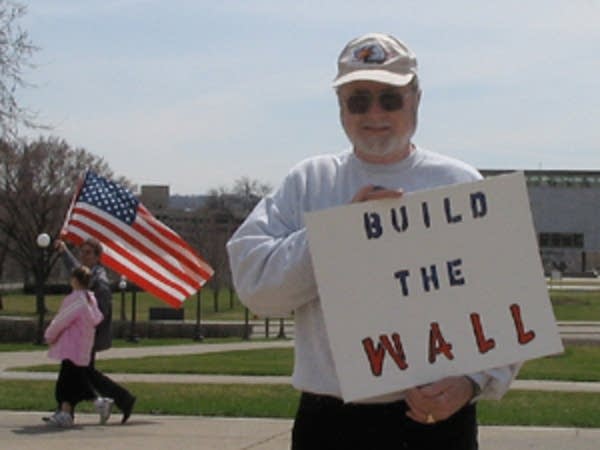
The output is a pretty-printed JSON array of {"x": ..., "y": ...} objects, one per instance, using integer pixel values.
[
  {"x": 104, "y": 408},
  {"x": 60, "y": 419}
]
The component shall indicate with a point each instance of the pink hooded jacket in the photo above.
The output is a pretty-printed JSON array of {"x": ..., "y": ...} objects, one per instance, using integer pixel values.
[{"x": 71, "y": 332}]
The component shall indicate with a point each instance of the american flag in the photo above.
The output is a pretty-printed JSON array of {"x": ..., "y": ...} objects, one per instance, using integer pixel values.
[{"x": 135, "y": 243}]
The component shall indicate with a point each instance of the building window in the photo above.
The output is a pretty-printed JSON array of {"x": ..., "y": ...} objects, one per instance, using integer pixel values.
[
  {"x": 561, "y": 240},
  {"x": 571, "y": 181},
  {"x": 555, "y": 178}
]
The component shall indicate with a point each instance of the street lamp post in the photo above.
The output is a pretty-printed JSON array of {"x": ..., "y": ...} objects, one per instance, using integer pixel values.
[
  {"x": 42, "y": 241},
  {"x": 132, "y": 335},
  {"x": 281, "y": 334},
  {"x": 122, "y": 287},
  {"x": 198, "y": 333},
  {"x": 246, "y": 335}
]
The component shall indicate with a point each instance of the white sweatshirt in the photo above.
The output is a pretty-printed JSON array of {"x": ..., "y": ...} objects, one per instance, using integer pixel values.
[{"x": 271, "y": 263}]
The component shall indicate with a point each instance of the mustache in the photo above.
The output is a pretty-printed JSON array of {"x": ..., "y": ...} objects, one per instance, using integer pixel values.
[{"x": 375, "y": 124}]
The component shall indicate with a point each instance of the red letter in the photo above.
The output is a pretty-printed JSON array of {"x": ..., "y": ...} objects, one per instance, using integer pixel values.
[
  {"x": 376, "y": 355},
  {"x": 435, "y": 336},
  {"x": 485, "y": 345},
  {"x": 397, "y": 351},
  {"x": 523, "y": 337}
]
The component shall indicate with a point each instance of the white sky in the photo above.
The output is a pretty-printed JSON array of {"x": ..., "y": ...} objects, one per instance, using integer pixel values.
[{"x": 196, "y": 94}]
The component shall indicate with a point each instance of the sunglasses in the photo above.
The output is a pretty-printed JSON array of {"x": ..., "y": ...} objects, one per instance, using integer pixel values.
[{"x": 360, "y": 102}]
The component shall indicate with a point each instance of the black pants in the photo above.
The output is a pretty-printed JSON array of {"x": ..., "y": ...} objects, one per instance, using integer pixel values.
[
  {"x": 73, "y": 384},
  {"x": 107, "y": 387},
  {"x": 327, "y": 423}
]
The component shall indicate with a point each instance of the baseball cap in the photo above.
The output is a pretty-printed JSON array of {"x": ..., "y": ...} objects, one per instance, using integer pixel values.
[{"x": 376, "y": 57}]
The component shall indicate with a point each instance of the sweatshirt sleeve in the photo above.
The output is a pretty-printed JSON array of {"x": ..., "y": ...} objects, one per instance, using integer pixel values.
[
  {"x": 102, "y": 291},
  {"x": 269, "y": 258},
  {"x": 494, "y": 383},
  {"x": 96, "y": 315},
  {"x": 69, "y": 260},
  {"x": 67, "y": 314}
]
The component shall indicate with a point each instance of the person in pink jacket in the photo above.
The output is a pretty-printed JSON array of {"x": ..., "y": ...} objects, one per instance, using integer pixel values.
[{"x": 71, "y": 337}]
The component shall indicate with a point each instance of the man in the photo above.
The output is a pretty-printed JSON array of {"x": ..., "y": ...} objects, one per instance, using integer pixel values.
[
  {"x": 90, "y": 253},
  {"x": 378, "y": 94}
]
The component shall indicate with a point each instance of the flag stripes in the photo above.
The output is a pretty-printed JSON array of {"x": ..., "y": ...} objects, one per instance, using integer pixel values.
[
  {"x": 135, "y": 244},
  {"x": 120, "y": 262},
  {"x": 171, "y": 243}
]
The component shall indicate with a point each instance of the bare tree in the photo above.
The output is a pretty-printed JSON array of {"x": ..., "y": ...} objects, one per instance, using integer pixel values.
[
  {"x": 223, "y": 212},
  {"x": 16, "y": 51},
  {"x": 37, "y": 180},
  {"x": 248, "y": 192},
  {"x": 211, "y": 237}
]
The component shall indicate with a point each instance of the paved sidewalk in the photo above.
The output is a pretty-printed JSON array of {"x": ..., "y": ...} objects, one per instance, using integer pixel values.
[{"x": 25, "y": 431}]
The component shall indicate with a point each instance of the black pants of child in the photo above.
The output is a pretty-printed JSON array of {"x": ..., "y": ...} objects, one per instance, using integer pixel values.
[
  {"x": 73, "y": 384},
  {"x": 327, "y": 423}
]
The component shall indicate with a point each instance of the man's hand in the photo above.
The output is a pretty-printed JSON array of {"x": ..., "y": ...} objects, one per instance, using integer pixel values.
[
  {"x": 372, "y": 192},
  {"x": 438, "y": 401},
  {"x": 60, "y": 245}
]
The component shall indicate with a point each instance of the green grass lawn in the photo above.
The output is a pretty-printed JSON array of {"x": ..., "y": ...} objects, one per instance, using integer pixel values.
[
  {"x": 576, "y": 305},
  {"x": 531, "y": 408},
  {"x": 577, "y": 363}
]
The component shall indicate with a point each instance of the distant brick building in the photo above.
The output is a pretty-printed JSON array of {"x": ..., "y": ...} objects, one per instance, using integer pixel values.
[{"x": 191, "y": 216}]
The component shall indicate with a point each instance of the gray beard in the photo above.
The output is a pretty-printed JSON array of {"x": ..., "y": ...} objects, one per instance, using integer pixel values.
[{"x": 379, "y": 148}]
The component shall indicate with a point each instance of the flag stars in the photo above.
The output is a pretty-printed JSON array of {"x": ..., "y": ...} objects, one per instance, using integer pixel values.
[{"x": 109, "y": 197}]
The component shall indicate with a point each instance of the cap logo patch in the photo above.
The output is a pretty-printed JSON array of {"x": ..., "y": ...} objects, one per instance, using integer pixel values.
[{"x": 370, "y": 54}]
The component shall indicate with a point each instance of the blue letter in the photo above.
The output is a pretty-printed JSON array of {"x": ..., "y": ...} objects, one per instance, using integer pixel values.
[
  {"x": 404, "y": 224},
  {"x": 454, "y": 273},
  {"x": 426, "y": 218},
  {"x": 448, "y": 209},
  {"x": 478, "y": 205},
  {"x": 430, "y": 279},
  {"x": 402, "y": 275},
  {"x": 372, "y": 225}
]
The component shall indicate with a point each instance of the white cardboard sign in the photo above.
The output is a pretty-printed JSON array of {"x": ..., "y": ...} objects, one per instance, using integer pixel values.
[{"x": 439, "y": 283}]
